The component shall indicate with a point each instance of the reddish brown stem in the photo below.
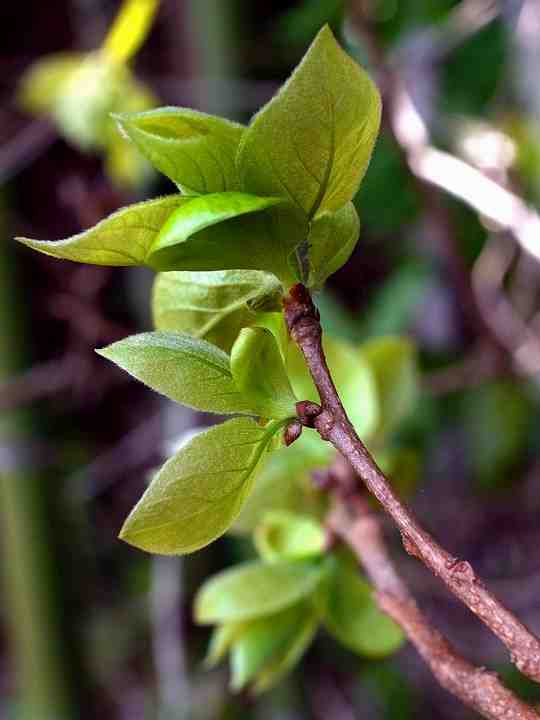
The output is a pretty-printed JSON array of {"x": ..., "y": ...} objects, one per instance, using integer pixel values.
[
  {"x": 477, "y": 688},
  {"x": 334, "y": 426}
]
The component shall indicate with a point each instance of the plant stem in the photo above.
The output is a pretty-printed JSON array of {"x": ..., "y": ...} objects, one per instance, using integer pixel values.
[
  {"x": 354, "y": 522},
  {"x": 334, "y": 426}
]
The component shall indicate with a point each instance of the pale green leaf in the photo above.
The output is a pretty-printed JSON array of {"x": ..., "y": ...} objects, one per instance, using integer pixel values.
[
  {"x": 259, "y": 373},
  {"x": 392, "y": 361},
  {"x": 352, "y": 376},
  {"x": 213, "y": 305},
  {"x": 255, "y": 590},
  {"x": 196, "y": 151},
  {"x": 44, "y": 81},
  {"x": 284, "y": 662},
  {"x": 185, "y": 369},
  {"x": 352, "y": 616},
  {"x": 199, "y": 492},
  {"x": 264, "y": 641},
  {"x": 123, "y": 238},
  {"x": 285, "y": 483},
  {"x": 221, "y": 640},
  {"x": 283, "y": 535},
  {"x": 313, "y": 141},
  {"x": 332, "y": 238},
  {"x": 228, "y": 231}
]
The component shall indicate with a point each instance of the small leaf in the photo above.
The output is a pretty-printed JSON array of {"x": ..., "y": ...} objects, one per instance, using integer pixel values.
[
  {"x": 313, "y": 141},
  {"x": 352, "y": 616},
  {"x": 213, "y": 305},
  {"x": 300, "y": 640},
  {"x": 121, "y": 239},
  {"x": 185, "y": 369},
  {"x": 44, "y": 81},
  {"x": 129, "y": 29},
  {"x": 285, "y": 535},
  {"x": 221, "y": 640},
  {"x": 393, "y": 364},
  {"x": 259, "y": 373},
  {"x": 196, "y": 151},
  {"x": 255, "y": 590},
  {"x": 285, "y": 482},
  {"x": 264, "y": 641},
  {"x": 352, "y": 375},
  {"x": 331, "y": 240},
  {"x": 199, "y": 492}
]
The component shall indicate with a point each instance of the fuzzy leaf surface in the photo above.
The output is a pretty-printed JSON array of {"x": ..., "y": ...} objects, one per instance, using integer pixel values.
[
  {"x": 199, "y": 492},
  {"x": 255, "y": 590},
  {"x": 123, "y": 238},
  {"x": 185, "y": 369},
  {"x": 259, "y": 373},
  {"x": 196, "y": 151},
  {"x": 213, "y": 305},
  {"x": 313, "y": 141}
]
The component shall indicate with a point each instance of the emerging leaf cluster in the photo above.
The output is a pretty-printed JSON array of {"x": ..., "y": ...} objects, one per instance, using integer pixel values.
[{"x": 258, "y": 208}]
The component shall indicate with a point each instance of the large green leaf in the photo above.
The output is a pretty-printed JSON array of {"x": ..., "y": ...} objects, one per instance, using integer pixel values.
[
  {"x": 392, "y": 361},
  {"x": 196, "y": 151},
  {"x": 312, "y": 142},
  {"x": 228, "y": 231},
  {"x": 188, "y": 370},
  {"x": 332, "y": 238},
  {"x": 353, "y": 377},
  {"x": 213, "y": 305},
  {"x": 199, "y": 492},
  {"x": 255, "y": 590},
  {"x": 264, "y": 641},
  {"x": 283, "y": 535},
  {"x": 351, "y": 614},
  {"x": 123, "y": 238},
  {"x": 259, "y": 373}
]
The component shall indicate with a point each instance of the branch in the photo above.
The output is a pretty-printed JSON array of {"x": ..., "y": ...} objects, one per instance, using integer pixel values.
[
  {"x": 355, "y": 523},
  {"x": 334, "y": 426}
]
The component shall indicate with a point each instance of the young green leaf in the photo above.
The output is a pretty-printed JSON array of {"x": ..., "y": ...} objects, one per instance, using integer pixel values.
[
  {"x": 392, "y": 361},
  {"x": 285, "y": 483},
  {"x": 313, "y": 141},
  {"x": 121, "y": 239},
  {"x": 255, "y": 590},
  {"x": 332, "y": 238},
  {"x": 226, "y": 231},
  {"x": 350, "y": 613},
  {"x": 185, "y": 369},
  {"x": 221, "y": 640},
  {"x": 264, "y": 641},
  {"x": 213, "y": 305},
  {"x": 259, "y": 373},
  {"x": 284, "y": 535},
  {"x": 198, "y": 493},
  {"x": 196, "y": 151},
  {"x": 284, "y": 662}
]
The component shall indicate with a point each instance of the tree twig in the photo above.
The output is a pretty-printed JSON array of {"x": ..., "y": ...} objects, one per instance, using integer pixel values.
[
  {"x": 353, "y": 521},
  {"x": 333, "y": 425}
]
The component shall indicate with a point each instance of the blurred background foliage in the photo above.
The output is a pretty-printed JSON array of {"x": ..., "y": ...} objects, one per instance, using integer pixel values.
[{"x": 94, "y": 628}]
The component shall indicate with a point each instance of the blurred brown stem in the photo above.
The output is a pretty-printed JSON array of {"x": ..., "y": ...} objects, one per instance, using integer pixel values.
[
  {"x": 333, "y": 425},
  {"x": 354, "y": 522}
]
